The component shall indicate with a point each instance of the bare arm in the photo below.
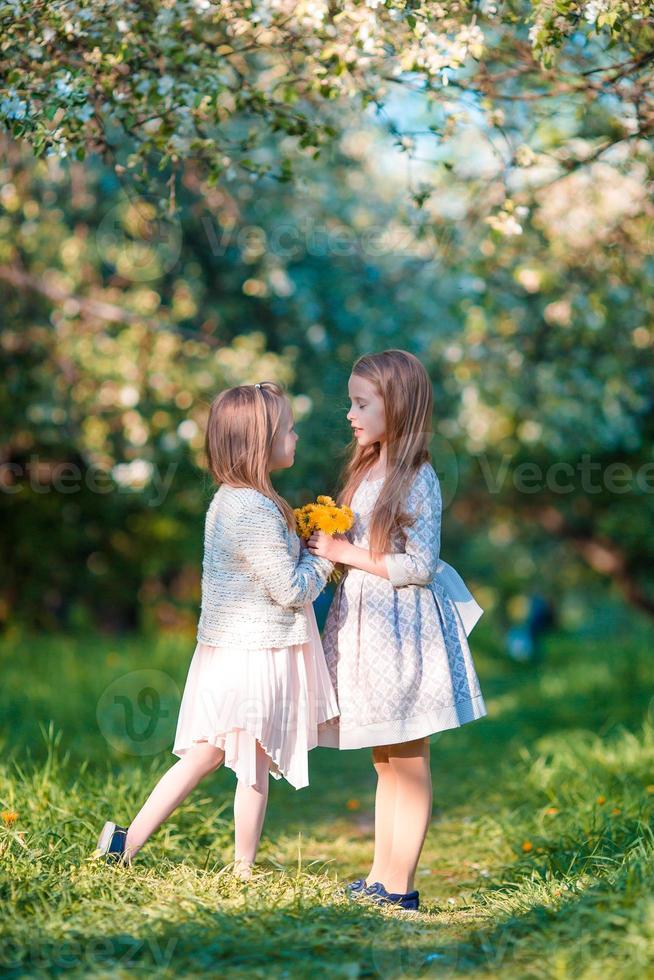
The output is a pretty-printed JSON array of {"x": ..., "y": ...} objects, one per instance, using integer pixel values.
[{"x": 339, "y": 549}]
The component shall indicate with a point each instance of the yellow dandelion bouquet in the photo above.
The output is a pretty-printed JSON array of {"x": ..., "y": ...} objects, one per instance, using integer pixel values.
[{"x": 324, "y": 515}]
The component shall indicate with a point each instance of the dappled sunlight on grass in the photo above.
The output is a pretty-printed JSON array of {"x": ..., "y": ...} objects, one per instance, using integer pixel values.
[{"x": 538, "y": 861}]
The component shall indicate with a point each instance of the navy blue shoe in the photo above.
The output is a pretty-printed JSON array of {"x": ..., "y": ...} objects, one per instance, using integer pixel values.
[
  {"x": 356, "y": 888},
  {"x": 111, "y": 843},
  {"x": 409, "y": 901}
]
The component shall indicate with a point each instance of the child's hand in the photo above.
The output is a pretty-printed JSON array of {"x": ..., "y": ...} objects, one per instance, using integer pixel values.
[{"x": 327, "y": 546}]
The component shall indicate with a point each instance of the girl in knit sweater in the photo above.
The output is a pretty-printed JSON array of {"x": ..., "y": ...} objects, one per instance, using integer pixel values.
[{"x": 257, "y": 686}]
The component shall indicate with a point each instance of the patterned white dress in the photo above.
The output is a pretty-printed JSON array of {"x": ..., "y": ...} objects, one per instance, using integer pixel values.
[{"x": 397, "y": 648}]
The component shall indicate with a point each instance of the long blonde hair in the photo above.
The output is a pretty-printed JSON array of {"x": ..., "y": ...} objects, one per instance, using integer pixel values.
[
  {"x": 405, "y": 387},
  {"x": 243, "y": 422}
]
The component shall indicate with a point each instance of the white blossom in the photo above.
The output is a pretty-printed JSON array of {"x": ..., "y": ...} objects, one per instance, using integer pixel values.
[{"x": 594, "y": 8}]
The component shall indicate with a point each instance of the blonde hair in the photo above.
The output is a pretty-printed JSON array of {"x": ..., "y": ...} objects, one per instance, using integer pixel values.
[
  {"x": 405, "y": 387},
  {"x": 243, "y": 422}
]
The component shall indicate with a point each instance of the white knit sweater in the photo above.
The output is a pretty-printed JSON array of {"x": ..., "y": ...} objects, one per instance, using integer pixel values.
[{"x": 254, "y": 580}]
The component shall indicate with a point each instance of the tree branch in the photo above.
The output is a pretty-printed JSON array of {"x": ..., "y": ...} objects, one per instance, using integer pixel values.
[{"x": 101, "y": 310}]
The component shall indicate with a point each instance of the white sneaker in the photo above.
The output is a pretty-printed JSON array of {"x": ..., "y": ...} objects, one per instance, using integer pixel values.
[{"x": 111, "y": 844}]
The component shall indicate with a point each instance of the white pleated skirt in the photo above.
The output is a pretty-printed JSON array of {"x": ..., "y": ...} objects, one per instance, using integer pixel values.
[{"x": 276, "y": 696}]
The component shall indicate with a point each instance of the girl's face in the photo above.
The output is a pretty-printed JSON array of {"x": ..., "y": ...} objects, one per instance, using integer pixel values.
[
  {"x": 366, "y": 416},
  {"x": 282, "y": 454}
]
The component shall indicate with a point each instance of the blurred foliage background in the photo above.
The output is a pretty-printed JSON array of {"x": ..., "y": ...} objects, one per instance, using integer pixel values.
[{"x": 504, "y": 235}]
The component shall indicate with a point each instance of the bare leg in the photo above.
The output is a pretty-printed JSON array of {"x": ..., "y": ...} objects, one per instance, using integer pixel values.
[
  {"x": 384, "y": 814},
  {"x": 413, "y": 800},
  {"x": 171, "y": 790},
  {"x": 249, "y": 812}
]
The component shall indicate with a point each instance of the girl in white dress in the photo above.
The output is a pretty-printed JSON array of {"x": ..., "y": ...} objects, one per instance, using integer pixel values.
[
  {"x": 395, "y": 637},
  {"x": 257, "y": 686}
]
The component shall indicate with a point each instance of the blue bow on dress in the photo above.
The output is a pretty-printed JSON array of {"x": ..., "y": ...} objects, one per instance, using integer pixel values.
[{"x": 467, "y": 606}]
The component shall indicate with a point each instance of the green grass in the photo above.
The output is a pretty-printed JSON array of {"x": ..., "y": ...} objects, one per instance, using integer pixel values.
[{"x": 508, "y": 889}]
